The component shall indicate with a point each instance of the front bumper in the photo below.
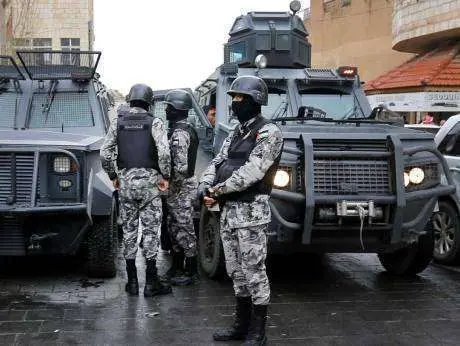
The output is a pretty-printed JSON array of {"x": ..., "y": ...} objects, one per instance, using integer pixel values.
[{"x": 410, "y": 211}]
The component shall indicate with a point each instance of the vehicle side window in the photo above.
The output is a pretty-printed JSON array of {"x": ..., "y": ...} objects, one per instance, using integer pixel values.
[{"x": 450, "y": 145}]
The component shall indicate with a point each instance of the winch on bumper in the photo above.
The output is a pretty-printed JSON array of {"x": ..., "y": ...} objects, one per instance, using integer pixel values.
[{"x": 344, "y": 219}]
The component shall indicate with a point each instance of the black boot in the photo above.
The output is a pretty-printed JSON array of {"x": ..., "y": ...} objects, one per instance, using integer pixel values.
[
  {"x": 240, "y": 326},
  {"x": 153, "y": 285},
  {"x": 256, "y": 335},
  {"x": 177, "y": 265},
  {"x": 132, "y": 286},
  {"x": 191, "y": 273}
]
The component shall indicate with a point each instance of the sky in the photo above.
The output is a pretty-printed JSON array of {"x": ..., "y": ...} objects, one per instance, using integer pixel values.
[{"x": 164, "y": 43}]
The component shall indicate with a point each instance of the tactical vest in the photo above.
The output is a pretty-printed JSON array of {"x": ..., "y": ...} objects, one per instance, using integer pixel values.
[
  {"x": 136, "y": 147},
  {"x": 192, "y": 148},
  {"x": 239, "y": 150}
]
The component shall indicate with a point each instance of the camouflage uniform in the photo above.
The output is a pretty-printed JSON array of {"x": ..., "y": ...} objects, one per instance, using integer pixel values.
[
  {"x": 139, "y": 194},
  {"x": 182, "y": 191},
  {"x": 243, "y": 224}
]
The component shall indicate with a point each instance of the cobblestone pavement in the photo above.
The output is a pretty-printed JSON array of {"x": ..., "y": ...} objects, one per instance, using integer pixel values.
[{"x": 343, "y": 300}]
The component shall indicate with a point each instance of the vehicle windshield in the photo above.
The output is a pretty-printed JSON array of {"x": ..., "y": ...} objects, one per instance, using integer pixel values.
[
  {"x": 63, "y": 109},
  {"x": 335, "y": 103},
  {"x": 277, "y": 103},
  {"x": 8, "y": 104}
]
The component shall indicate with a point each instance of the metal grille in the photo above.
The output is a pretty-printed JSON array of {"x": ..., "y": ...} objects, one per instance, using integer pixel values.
[
  {"x": 8, "y": 106},
  {"x": 46, "y": 64},
  {"x": 12, "y": 241},
  {"x": 159, "y": 110},
  {"x": 349, "y": 177},
  {"x": 24, "y": 175},
  {"x": 350, "y": 145},
  {"x": 67, "y": 109},
  {"x": 9, "y": 69},
  {"x": 320, "y": 73}
]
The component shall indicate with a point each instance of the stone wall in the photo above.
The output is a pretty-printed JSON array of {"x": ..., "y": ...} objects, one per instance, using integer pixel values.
[
  {"x": 356, "y": 32},
  {"x": 58, "y": 19},
  {"x": 420, "y": 24}
]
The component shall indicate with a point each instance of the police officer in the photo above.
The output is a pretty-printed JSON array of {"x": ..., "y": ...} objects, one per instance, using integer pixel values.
[
  {"x": 139, "y": 144},
  {"x": 183, "y": 142},
  {"x": 240, "y": 179}
]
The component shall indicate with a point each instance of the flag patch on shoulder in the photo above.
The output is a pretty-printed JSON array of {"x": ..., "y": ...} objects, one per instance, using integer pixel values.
[{"x": 262, "y": 134}]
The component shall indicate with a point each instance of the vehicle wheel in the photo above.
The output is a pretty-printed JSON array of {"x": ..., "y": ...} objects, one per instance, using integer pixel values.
[
  {"x": 103, "y": 246},
  {"x": 211, "y": 252},
  {"x": 446, "y": 227},
  {"x": 413, "y": 259}
]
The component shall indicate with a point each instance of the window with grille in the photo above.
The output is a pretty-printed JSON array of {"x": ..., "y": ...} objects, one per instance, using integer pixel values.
[
  {"x": 42, "y": 44},
  {"x": 22, "y": 43},
  {"x": 70, "y": 45}
]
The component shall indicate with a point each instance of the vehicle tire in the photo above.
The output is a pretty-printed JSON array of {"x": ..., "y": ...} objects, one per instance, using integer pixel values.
[
  {"x": 446, "y": 228},
  {"x": 413, "y": 259},
  {"x": 103, "y": 246},
  {"x": 211, "y": 252}
]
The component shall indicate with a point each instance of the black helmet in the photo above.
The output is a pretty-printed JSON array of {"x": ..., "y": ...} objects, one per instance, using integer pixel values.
[
  {"x": 252, "y": 86},
  {"x": 179, "y": 99},
  {"x": 140, "y": 92}
]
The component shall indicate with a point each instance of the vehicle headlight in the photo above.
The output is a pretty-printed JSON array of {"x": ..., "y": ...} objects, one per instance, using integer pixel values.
[
  {"x": 281, "y": 178},
  {"x": 406, "y": 179},
  {"x": 416, "y": 175},
  {"x": 61, "y": 164}
]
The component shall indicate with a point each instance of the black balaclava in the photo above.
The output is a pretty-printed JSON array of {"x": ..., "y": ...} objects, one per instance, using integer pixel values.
[
  {"x": 174, "y": 115},
  {"x": 245, "y": 109}
]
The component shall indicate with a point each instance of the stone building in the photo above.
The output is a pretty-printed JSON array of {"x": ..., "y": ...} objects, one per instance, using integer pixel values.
[
  {"x": 428, "y": 84},
  {"x": 353, "y": 32},
  {"x": 49, "y": 24}
]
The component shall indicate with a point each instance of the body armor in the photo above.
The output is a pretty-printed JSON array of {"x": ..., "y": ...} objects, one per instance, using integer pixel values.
[
  {"x": 239, "y": 151},
  {"x": 136, "y": 147}
]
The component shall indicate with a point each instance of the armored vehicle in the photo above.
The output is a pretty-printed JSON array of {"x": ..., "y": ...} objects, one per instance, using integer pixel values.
[
  {"x": 348, "y": 181},
  {"x": 54, "y": 195}
]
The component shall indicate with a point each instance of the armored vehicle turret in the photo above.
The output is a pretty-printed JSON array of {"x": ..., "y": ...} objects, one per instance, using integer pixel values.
[
  {"x": 279, "y": 36},
  {"x": 351, "y": 179},
  {"x": 54, "y": 195}
]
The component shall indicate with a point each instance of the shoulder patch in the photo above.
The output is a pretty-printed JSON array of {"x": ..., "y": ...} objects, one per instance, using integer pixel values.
[{"x": 262, "y": 135}]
